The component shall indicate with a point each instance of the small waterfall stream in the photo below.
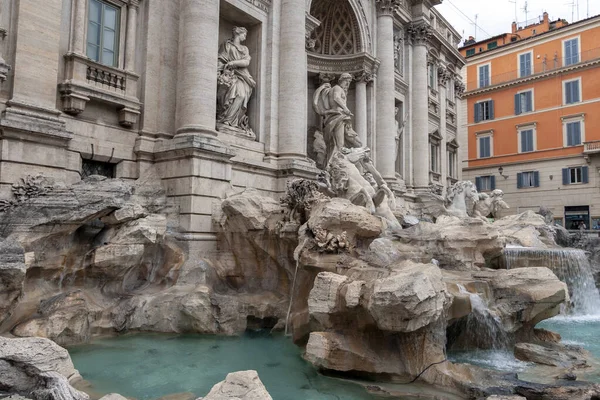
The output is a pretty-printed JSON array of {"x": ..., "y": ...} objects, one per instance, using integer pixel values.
[
  {"x": 486, "y": 327},
  {"x": 570, "y": 266}
]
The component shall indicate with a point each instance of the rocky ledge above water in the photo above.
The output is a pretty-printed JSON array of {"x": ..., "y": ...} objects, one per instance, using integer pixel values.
[{"x": 362, "y": 297}]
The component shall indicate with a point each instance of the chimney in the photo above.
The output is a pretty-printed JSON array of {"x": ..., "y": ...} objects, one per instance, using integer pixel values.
[
  {"x": 514, "y": 27},
  {"x": 546, "y": 18}
]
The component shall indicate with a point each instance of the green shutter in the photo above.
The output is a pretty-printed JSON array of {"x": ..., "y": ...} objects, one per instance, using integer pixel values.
[{"x": 517, "y": 104}]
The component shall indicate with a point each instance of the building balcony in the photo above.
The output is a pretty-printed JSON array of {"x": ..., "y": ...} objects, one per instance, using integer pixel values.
[
  {"x": 87, "y": 80},
  {"x": 591, "y": 147},
  {"x": 549, "y": 66}
]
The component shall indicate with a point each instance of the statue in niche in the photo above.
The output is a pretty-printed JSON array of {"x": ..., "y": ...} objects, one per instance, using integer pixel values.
[
  {"x": 399, "y": 52},
  {"x": 399, "y": 131},
  {"x": 348, "y": 165},
  {"x": 235, "y": 85}
]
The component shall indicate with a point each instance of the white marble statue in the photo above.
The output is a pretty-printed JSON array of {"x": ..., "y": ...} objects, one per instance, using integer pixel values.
[
  {"x": 490, "y": 205},
  {"x": 235, "y": 85},
  {"x": 348, "y": 164},
  {"x": 461, "y": 199}
]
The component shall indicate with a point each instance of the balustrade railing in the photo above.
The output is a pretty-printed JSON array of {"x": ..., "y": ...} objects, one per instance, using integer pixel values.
[{"x": 106, "y": 77}]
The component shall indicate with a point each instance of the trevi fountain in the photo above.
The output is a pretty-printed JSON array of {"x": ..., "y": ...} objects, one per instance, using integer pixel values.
[{"x": 332, "y": 291}]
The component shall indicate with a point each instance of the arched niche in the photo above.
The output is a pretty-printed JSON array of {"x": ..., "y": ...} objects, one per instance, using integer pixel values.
[{"x": 344, "y": 27}]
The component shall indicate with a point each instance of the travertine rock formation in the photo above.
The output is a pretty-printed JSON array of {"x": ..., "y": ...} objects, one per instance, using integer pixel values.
[
  {"x": 242, "y": 385},
  {"x": 38, "y": 369}
]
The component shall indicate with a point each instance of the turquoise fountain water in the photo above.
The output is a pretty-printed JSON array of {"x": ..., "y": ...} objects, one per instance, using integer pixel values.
[{"x": 149, "y": 366}]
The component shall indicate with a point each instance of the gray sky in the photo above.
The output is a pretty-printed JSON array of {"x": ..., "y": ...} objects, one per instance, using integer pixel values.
[{"x": 496, "y": 16}]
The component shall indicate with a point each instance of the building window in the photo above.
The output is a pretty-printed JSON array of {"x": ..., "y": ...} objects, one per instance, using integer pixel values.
[
  {"x": 485, "y": 183},
  {"x": 452, "y": 164},
  {"x": 572, "y": 91},
  {"x": 526, "y": 140},
  {"x": 485, "y": 146},
  {"x": 577, "y": 217},
  {"x": 528, "y": 179},
  {"x": 574, "y": 175},
  {"x": 574, "y": 133},
  {"x": 432, "y": 77},
  {"x": 484, "y": 75},
  {"x": 571, "y": 51},
  {"x": 434, "y": 157},
  {"x": 103, "y": 32},
  {"x": 470, "y": 52},
  {"x": 524, "y": 102},
  {"x": 525, "y": 64},
  {"x": 484, "y": 111},
  {"x": 492, "y": 45},
  {"x": 89, "y": 167}
]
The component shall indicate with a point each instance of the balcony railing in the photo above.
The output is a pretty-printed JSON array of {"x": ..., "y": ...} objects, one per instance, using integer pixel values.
[
  {"x": 548, "y": 64},
  {"x": 591, "y": 147}
]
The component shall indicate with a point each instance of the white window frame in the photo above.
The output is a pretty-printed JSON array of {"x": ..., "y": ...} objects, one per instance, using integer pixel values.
[
  {"x": 519, "y": 63},
  {"x": 562, "y": 49},
  {"x": 481, "y": 135},
  {"x": 121, "y": 32},
  {"x": 527, "y": 127},
  {"x": 580, "y": 168},
  {"x": 528, "y": 172},
  {"x": 564, "y": 90},
  {"x": 489, "y": 64},
  {"x": 484, "y": 101},
  {"x": 532, "y": 90},
  {"x": 573, "y": 118},
  {"x": 488, "y": 178}
]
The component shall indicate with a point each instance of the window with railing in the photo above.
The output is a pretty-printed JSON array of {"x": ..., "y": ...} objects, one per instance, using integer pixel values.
[
  {"x": 103, "y": 32},
  {"x": 571, "y": 51}
]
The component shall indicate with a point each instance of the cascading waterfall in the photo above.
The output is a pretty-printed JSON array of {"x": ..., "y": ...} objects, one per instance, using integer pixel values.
[
  {"x": 486, "y": 327},
  {"x": 570, "y": 266}
]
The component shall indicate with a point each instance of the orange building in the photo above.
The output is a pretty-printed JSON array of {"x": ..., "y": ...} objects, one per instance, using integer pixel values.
[{"x": 533, "y": 119}]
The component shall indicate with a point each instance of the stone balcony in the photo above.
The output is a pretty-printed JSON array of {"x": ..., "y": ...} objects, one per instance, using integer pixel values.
[
  {"x": 591, "y": 147},
  {"x": 87, "y": 80}
]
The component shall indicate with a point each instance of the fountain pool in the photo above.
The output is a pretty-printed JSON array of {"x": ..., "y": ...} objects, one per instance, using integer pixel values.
[{"x": 148, "y": 366}]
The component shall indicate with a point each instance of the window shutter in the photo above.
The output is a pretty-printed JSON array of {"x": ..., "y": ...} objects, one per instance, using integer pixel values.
[
  {"x": 491, "y": 105},
  {"x": 478, "y": 183},
  {"x": 517, "y": 104},
  {"x": 569, "y": 134},
  {"x": 584, "y": 174},
  {"x": 536, "y": 178},
  {"x": 568, "y": 93},
  {"x": 529, "y": 96},
  {"x": 565, "y": 174},
  {"x": 575, "y": 97},
  {"x": 519, "y": 180},
  {"x": 576, "y": 133},
  {"x": 477, "y": 113},
  {"x": 523, "y": 141},
  {"x": 568, "y": 52},
  {"x": 493, "y": 182}
]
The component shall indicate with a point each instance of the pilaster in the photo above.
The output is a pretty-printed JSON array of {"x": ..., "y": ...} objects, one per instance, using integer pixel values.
[
  {"x": 419, "y": 35},
  {"x": 386, "y": 135},
  {"x": 360, "y": 119}
]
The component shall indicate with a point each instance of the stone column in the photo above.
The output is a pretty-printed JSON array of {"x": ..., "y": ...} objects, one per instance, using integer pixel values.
[
  {"x": 132, "y": 12},
  {"x": 79, "y": 27},
  {"x": 197, "y": 72},
  {"x": 360, "y": 116},
  {"x": 443, "y": 82},
  {"x": 419, "y": 35},
  {"x": 292, "y": 80},
  {"x": 386, "y": 141}
]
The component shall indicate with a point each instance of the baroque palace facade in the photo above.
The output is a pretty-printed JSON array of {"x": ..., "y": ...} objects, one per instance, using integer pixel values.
[
  {"x": 532, "y": 99},
  {"x": 218, "y": 94}
]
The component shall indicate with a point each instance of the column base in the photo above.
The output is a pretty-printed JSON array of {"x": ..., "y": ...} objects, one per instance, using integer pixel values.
[{"x": 196, "y": 130}]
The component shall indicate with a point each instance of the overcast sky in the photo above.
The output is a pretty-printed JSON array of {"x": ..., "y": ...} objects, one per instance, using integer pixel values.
[{"x": 495, "y": 16}]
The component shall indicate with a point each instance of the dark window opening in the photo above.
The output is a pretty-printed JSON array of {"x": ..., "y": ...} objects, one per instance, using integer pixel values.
[{"x": 89, "y": 167}]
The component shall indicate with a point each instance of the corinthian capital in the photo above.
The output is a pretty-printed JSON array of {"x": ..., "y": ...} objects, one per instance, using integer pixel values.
[
  {"x": 419, "y": 34},
  {"x": 387, "y": 7}
]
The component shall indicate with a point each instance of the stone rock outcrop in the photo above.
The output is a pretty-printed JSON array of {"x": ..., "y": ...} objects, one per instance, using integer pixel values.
[
  {"x": 555, "y": 355},
  {"x": 242, "y": 385},
  {"x": 12, "y": 275},
  {"x": 37, "y": 368}
]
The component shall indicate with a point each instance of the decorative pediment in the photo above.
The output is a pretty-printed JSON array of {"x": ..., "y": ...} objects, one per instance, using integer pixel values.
[
  {"x": 434, "y": 136},
  {"x": 452, "y": 145}
]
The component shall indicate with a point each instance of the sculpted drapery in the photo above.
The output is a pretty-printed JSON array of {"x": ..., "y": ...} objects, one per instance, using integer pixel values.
[{"x": 235, "y": 85}]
